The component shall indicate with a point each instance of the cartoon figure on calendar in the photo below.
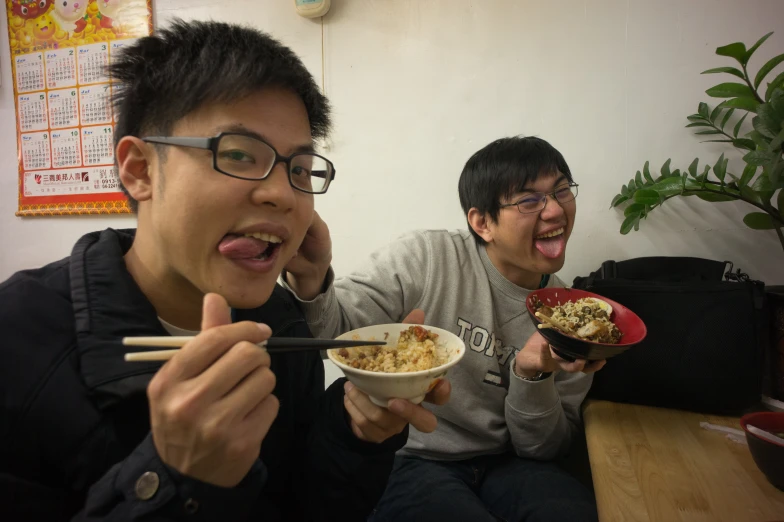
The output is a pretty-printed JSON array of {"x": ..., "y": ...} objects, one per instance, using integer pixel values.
[
  {"x": 71, "y": 15},
  {"x": 44, "y": 29},
  {"x": 30, "y": 9},
  {"x": 56, "y": 24},
  {"x": 107, "y": 12}
]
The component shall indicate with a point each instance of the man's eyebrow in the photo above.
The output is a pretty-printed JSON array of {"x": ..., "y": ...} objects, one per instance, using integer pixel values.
[
  {"x": 241, "y": 129},
  {"x": 558, "y": 181}
]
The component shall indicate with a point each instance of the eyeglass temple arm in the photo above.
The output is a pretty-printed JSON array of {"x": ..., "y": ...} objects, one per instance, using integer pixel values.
[{"x": 196, "y": 143}]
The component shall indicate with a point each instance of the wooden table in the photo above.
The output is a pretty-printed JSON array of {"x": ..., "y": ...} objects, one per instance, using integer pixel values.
[{"x": 655, "y": 464}]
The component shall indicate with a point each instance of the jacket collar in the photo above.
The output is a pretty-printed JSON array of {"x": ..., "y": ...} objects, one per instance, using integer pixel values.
[{"x": 109, "y": 305}]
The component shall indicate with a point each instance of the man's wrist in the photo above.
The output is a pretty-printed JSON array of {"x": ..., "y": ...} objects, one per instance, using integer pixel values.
[
  {"x": 307, "y": 288},
  {"x": 529, "y": 374}
]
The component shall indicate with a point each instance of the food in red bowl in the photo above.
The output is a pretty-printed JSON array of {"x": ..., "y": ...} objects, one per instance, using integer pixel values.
[
  {"x": 584, "y": 325},
  {"x": 767, "y": 452}
]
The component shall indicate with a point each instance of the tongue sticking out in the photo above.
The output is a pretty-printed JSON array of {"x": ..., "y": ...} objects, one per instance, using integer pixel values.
[
  {"x": 241, "y": 247},
  {"x": 552, "y": 247}
]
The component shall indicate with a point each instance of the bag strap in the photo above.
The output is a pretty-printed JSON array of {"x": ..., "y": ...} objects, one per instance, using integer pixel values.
[{"x": 671, "y": 268}]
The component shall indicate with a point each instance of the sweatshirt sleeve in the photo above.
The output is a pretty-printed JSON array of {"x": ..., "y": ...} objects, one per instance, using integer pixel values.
[
  {"x": 542, "y": 416},
  {"x": 384, "y": 290}
]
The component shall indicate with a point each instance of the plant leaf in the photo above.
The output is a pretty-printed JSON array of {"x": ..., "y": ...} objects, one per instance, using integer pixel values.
[
  {"x": 729, "y": 70},
  {"x": 705, "y": 132},
  {"x": 761, "y": 126},
  {"x": 715, "y": 198},
  {"x": 737, "y": 125},
  {"x": 646, "y": 197},
  {"x": 777, "y": 83},
  {"x": 730, "y": 90},
  {"x": 695, "y": 117},
  {"x": 693, "y": 168},
  {"x": 755, "y": 47},
  {"x": 634, "y": 208},
  {"x": 750, "y": 195},
  {"x": 748, "y": 175},
  {"x": 758, "y": 157},
  {"x": 720, "y": 168},
  {"x": 769, "y": 119},
  {"x": 629, "y": 223},
  {"x": 646, "y": 171},
  {"x": 624, "y": 191},
  {"x": 764, "y": 188},
  {"x": 726, "y": 118},
  {"x": 703, "y": 110},
  {"x": 747, "y": 104},
  {"x": 759, "y": 221},
  {"x": 743, "y": 143},
  {"x": 715, "y": 113},
  {"x": 758, "y": 139},
  {"x": 700, "y": 124},
  {"x": 765, "y": 69},
  {"x": 735, "y": 50},
  {"x": 618, "y": 199},
  {"x": 638, "y": 179},
  {"x": 665, "y": 170},
  {"x": 668, "y": 187}
]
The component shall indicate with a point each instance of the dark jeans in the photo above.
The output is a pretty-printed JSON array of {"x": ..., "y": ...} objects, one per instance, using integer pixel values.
[{"x": 488, "y": 488}]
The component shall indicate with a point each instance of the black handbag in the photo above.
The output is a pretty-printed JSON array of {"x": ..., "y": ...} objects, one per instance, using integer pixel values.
[{"x": 707, "y": 334}]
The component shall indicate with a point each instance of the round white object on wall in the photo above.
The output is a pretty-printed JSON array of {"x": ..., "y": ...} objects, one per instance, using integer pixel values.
[{"x": 312, "y": 8}]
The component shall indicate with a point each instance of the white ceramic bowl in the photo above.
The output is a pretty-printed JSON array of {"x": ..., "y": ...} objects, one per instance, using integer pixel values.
[{"x": 412, "y": 386}]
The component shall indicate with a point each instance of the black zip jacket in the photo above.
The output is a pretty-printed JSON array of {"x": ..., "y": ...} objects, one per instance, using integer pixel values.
[{"x": 74, "y": 425}]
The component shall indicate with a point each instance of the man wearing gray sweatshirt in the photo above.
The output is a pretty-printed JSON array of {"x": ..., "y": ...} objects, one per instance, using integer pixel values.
[{"x": 515, "y": 405}]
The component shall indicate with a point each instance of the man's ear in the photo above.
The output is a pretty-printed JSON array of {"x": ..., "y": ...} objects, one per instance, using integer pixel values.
[
  {"x": 134, "y": 159},
  {"x": 480, "y": 223}
]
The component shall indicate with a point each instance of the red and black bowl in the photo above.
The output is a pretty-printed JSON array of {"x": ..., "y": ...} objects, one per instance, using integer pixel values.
[
  {"x": 768, "y": 455},
  {"x": 571, "y": 348}
]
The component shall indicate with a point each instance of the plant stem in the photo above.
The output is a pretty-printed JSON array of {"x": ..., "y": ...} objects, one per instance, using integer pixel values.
[
  {"x": 765, "y": 209},
  {"x": 781, "y": 236},
  {"x": 751, "y": 86}
]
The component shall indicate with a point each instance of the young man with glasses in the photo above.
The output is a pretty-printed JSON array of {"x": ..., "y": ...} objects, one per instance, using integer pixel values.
[
  {"x": 516, "y": 405},
  {"x": 214, "y": 146}
]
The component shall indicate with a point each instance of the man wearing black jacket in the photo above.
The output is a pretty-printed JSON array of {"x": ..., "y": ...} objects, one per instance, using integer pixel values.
[{"x": 214, "y": 147}]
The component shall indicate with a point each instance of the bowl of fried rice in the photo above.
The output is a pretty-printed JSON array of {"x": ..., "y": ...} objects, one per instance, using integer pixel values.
[
  {"x": 584, "y": 325},
  {"x": 412, "y": 362}
]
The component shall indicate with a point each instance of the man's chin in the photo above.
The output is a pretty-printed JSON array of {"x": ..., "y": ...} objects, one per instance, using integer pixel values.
[
  {"x": 251, "y": 295},
  {"x": 550, "y": 265}
]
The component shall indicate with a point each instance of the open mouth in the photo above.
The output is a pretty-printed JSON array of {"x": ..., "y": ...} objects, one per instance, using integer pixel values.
[
  {"x": 553, "y": 233},
  {"x": 272, "y": 241},
  {"x": 252, "y": 249},
  {"x": 551, "y": 244}
]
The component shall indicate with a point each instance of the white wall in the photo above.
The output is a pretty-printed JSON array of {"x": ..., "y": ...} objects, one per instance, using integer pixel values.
[{"x": 419, "y": 85}]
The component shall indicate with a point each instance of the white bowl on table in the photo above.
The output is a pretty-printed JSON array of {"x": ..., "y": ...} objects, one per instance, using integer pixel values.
[{"x": 412, "y": 386}]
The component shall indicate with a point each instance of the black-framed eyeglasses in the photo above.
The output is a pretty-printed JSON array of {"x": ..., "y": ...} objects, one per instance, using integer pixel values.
[
  {"x": 536, "y": 201},
  {"x": 247, "y": 157}
]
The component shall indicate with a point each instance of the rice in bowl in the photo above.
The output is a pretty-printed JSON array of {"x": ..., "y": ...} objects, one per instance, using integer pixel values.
[{"x": 416, "y": 350}]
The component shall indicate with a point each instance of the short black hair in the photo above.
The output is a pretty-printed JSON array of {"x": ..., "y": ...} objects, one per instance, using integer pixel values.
[
  {"x": 164, "y": 77},
  {"x": 504, "y": 168}
]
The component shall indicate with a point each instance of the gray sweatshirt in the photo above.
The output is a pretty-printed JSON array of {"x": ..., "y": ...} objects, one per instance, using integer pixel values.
[{"x": 451, "y": 278}]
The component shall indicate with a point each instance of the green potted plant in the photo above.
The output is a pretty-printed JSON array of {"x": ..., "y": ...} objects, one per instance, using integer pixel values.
[{"x": 761, "y": 148}]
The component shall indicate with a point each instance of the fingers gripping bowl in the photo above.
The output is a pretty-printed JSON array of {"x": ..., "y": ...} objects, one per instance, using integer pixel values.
[{"x": 407, "y": 368}]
